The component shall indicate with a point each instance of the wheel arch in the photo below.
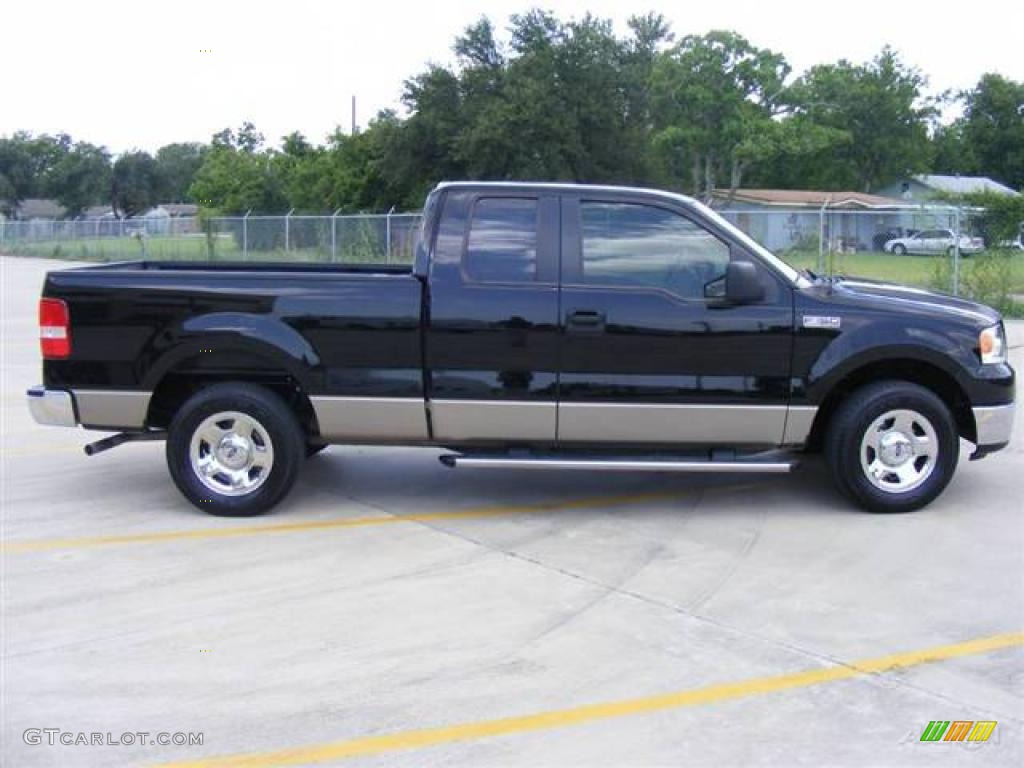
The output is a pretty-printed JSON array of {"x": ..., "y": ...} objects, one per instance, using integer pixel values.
[
  {"x": 193, "y": 367},
  {"x": 221, "y": 347},
  {"x": 915, "y": 371}
]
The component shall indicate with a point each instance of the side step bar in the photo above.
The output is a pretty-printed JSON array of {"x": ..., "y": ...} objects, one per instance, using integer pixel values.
[{"x": 619, "y": 465}]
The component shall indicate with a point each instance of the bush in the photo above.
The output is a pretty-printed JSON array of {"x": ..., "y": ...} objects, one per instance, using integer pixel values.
[
  {"x": 986, "y": 278},
  {"x": 1001, "y": 218}
]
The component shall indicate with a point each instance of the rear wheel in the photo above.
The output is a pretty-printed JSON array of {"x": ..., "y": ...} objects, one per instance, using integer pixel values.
[
  {"x": 892, "y": 446},
  {"x": 234, "y": 449}
]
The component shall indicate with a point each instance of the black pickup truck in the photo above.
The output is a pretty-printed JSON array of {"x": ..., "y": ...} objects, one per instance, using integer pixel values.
[{"x": 541, "y": 326}]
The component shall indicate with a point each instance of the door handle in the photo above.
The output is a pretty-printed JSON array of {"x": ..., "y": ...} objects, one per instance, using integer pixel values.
[{"x": 585, "y": 320}]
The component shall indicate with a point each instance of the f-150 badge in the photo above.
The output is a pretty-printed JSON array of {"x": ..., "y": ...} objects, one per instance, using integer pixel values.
[{"x": 822, "y": 321}]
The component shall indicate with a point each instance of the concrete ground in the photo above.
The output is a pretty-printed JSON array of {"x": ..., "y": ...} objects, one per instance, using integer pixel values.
[{"x": 396, "y": 612}]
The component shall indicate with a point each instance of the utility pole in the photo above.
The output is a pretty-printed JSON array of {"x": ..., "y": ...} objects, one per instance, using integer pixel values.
[{"x": 353, "y": 114}]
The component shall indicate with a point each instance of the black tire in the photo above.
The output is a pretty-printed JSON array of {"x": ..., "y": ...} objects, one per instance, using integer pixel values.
[
  {"x": 899, "y": 249},
  {"x": 275, "y": 422},
  {"x": 312, "y": 449},
  {"x": 849, "y": 427}
]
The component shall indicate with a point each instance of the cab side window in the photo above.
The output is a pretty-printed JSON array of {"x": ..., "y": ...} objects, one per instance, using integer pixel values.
[
  {"x": 636, "y": 245},
  {"x": 502, "y": 242}
]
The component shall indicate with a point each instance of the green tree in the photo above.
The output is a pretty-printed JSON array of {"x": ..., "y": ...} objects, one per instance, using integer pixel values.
[
  {"x": 1000, "y": 218},
  {"x": 295, "y": 145},
  {"x": 135, "y": 183},
  {"x": 950, "y": 152},
  {"x": 993, "y": 129},
  {"x": 563, "y": 100},
  {"x": 25, "y": 162},
  {"x": 80, "y": 178},
  {"x": 883, "y": 112},
  {"x": 177, "y": 165},
  {"x": 650, "y": 34},
  {"x": 714, "y": 97},
  {"x": 238, "y": 175},
  {"x": 429, "y": 137},
  {"x": 363, "y": 172},
  {"x": 7, "y": 196}
]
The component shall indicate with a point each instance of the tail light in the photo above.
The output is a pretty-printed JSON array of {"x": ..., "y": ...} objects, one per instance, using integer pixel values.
[{"x": 54, "y": 329}]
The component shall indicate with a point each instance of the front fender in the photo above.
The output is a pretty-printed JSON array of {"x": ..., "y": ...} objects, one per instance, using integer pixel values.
[{"x": 950, "y": 350}]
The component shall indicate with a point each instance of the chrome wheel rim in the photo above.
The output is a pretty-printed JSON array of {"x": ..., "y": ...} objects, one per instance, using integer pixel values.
[
  {"x": 899, "y": 451},
  {"x": 231, "y": 453}
]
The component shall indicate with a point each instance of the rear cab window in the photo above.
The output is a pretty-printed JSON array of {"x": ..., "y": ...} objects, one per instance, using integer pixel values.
[{"x": 501, "y": 242}]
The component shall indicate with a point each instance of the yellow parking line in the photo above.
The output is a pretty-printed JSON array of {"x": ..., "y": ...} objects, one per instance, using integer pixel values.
[
  {"x": 83, "y": 542},
  {"x": 560, "y": 718}
]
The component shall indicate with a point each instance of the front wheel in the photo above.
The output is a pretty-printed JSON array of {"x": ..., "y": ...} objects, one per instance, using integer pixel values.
[
  {"x": 892, "y": 446},
  {"x": 234, "y": 449},
  {"x": 899, "y": 249}
]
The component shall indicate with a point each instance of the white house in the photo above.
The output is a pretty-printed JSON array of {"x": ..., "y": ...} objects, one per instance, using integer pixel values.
[{"x": 793, "y": 219}]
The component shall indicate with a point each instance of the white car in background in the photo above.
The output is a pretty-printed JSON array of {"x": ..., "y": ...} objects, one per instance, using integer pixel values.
[{"x": 934, "y": 241}]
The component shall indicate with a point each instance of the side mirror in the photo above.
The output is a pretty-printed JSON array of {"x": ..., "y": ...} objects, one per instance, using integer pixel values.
[{"x": 742, "y": 284}]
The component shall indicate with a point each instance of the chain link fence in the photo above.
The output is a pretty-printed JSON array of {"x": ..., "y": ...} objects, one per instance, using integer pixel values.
[
  {"x": 17, "y": 231},
  {"x": 936, "y": 247},
  {"x": 362, "y": 238},
  {"x": 941, "y": 248}
]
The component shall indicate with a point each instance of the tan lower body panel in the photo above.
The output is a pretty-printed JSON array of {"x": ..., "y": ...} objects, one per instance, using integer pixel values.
[
  {"x": 493, "y": 420},
  {"x": 371, "y": 418},
  {"x": 799, "y": 421},
  {"x": 671, "y": 423},
  {"x": 111, "y": 408},
  {"x": 397, "y": 419}
]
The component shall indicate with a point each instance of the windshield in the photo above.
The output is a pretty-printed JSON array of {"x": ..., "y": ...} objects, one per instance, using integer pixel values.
[{"x": 751, "y": 243}]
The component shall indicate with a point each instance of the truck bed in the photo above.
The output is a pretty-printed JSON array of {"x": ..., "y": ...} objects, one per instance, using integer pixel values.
[{"x": 338, "y": 328}]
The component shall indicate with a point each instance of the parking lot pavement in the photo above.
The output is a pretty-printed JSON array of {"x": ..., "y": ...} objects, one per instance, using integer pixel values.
[{"x": 393, "y": 605}]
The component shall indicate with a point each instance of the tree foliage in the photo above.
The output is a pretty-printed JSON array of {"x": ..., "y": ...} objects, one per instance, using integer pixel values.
[
  {"x": 880, "y": 110},
  {"x": 238, "y": 176},
  {"x": 26, "y": 162},
  {"x": 989, "y": 139},
  {"x": 80, "y": 177},
  {"x": 715, "y": 97},
  {"x": 1002, "y": 219},
  {"x": 135, "y": 183},
  {"x": 177, "y": 165}
]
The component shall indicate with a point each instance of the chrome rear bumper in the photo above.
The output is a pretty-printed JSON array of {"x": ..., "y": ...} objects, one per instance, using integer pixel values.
[{"x": 53, "y": 407}]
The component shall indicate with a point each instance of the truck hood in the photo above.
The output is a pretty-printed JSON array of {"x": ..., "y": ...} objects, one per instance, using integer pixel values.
[{"x": 893, "y": 297}]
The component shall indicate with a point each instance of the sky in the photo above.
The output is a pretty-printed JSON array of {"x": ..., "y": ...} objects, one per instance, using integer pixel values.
[{"x": 140, "y": 75}]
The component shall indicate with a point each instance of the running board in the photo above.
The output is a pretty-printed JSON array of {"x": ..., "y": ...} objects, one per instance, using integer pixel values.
[{"x": 618, "y": 465}]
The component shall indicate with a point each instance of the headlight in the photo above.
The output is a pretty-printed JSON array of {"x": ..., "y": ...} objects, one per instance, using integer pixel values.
[{"x": 992, "y": 345}]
